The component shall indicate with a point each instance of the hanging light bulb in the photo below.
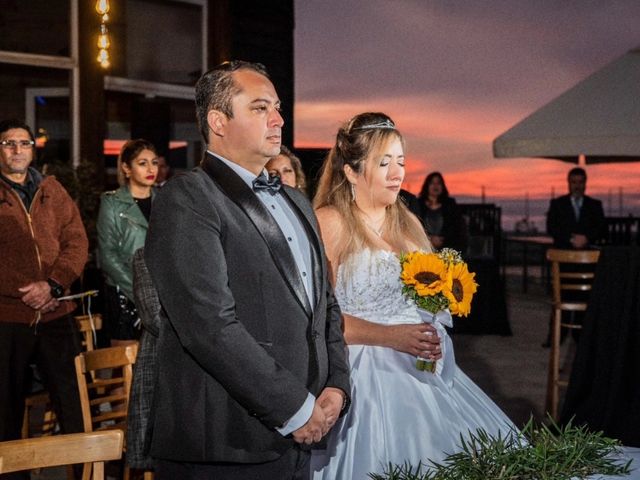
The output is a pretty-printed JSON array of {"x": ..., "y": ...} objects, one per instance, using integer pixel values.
[
  {"x": 103, "y": 58},
  {"x": 102, "y": 7},
  {"x": 104, "y": 42},
  {"x": 102, "y": 55},
  {"x": 103, "y": 38}
]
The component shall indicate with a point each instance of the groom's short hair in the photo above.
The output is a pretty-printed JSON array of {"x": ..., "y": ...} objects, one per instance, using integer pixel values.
[{"x": 215, "y": 90}]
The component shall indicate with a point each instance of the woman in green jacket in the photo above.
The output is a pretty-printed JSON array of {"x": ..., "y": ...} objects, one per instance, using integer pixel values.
[{"x": 122, "y": 228}]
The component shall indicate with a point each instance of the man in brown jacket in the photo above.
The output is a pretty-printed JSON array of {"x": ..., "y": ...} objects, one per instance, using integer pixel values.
[{"x": 44, "y": 249}]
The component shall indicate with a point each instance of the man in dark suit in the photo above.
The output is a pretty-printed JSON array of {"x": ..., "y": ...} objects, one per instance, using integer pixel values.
[
  {"x": 251, "y": 357},
  {"x": 575, "y": 220}
]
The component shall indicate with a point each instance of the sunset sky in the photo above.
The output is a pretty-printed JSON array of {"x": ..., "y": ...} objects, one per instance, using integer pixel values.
[{"x": 455, "y": 74}]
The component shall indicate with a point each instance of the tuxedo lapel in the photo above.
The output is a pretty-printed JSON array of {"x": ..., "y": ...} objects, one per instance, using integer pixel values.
[
  {"x": 267, "y": 227},
  {"x": 314, "y": 242}
]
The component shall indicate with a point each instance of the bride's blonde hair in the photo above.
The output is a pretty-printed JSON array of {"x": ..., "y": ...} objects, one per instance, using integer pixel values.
[{"x": 358, "y": 142}]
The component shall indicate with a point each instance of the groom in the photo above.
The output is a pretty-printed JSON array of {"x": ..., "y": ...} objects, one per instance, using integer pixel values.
[{"x": 251, "y": 354}]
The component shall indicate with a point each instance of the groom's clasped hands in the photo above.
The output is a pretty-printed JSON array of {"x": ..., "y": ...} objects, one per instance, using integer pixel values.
[{"x": 326, "y": 411}]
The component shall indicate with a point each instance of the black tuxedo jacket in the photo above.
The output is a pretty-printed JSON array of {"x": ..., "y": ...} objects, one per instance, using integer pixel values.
[
  {"x": 240, "y": 347},
  {"x": 562, "y": 223}
]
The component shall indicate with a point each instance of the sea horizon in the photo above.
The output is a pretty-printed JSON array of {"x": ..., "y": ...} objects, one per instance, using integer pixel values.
[{"x": 515, "y": 209}]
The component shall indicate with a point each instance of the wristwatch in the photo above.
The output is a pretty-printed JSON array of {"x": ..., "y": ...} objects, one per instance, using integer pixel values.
[{"x": 57, "y": 290}]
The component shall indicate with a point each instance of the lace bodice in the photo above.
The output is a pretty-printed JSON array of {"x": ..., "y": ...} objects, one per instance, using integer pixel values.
[{"x": 368, "y": 286}]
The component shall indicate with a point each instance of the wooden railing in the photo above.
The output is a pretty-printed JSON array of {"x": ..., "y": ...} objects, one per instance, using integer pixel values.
[{"x": 484, "y": 229}]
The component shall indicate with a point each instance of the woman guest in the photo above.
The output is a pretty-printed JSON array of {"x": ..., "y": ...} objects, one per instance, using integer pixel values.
[
  {"x": 289, "y": 168},
  {"x": 440, "y": 214},
  {"x": 122, "y": 228},
  {"x": 399, "y": 414}
]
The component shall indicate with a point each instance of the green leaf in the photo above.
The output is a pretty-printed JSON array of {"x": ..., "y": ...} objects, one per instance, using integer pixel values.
[{"x": 537, "y": 452}]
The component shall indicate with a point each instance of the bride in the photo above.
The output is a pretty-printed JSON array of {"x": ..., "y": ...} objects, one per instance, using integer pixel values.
[{"x": 399, "y": 414}]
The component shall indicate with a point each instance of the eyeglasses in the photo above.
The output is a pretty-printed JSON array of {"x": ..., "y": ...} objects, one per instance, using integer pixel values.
[{"x": 13, "y": 144}]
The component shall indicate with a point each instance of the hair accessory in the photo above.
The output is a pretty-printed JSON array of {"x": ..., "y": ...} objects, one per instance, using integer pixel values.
[{"x": 384, "y": 124}]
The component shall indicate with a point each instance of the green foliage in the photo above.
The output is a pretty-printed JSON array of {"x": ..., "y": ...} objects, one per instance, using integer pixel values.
[
  {"x": 83, "y": 187},
  {"x": 88, "y": 198},
  {"x": 64, "y": 173},
  {"x": 431, "y": 303},
  {"x": 538, "y": 452}
]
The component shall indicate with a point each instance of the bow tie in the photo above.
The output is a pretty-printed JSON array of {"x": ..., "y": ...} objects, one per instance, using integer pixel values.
[{"x": 273, "y": 184}]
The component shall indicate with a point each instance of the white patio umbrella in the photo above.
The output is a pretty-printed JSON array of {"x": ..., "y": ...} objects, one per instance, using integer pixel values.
[{"x": 596, "y": 121}]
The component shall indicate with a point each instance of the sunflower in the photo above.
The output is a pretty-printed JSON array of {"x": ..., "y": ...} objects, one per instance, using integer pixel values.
[
  {"x": 463, "y": 286},
  {"x": 425, "y": 272}
]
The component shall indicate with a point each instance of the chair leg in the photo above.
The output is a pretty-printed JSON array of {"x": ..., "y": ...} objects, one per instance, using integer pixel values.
[
  {"x": 548, "y": 399},
  {"x": 86, "y": 471},
  {"x": 554, "y": 367},
  {"x": 549, "y": 396},
  {"x": 71, "y": 474},
  {"x": 98, "y": 471},
  {"x": 25, "y": 422}
]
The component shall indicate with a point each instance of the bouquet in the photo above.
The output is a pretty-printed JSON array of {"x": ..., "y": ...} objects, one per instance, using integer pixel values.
[{"x": 437, "y": 283}]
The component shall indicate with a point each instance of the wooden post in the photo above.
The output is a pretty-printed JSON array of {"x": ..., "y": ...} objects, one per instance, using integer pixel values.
[{"x": 91, "y": 88}]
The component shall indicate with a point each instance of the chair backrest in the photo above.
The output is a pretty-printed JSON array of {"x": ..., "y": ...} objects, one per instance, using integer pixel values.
[
  {"x": 571, "y": 279},
  {"x": 39, "y": 417},
  {"x": 95, "y": 447},
  {"x": 87, "y": 325},
  {"x": 105, "y": 401}
]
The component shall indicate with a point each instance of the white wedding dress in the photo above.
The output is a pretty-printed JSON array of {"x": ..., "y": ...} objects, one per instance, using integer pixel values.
[{"x": 398, "y": 414}]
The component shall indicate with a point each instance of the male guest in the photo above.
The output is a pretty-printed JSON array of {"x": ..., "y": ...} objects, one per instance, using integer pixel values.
[
  {"x": 251, "y": 354},
  {"x": 44, "y": 249},
  {"x": 164, "y": 171},
  {"x": 575, "y": 220}
]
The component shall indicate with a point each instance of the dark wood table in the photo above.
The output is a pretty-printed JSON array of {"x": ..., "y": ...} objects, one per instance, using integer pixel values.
[
  {"x": 604, "y": 388},
  {"x": 489, "y": 315},
  {"x": 526, "y": 242}
]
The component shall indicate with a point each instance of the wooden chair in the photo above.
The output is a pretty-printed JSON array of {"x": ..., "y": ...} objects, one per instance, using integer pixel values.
[
  {"x": 87, "y": 324},
  {"x": 45, "y": 423},
  {"x": 93, "y": 448},
  {"x": 564, "y": 280},
  {"x": 105, "y": 401}
]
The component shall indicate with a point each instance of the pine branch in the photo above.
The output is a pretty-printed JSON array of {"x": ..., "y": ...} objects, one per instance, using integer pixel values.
[{"x": 538, "y": 452}]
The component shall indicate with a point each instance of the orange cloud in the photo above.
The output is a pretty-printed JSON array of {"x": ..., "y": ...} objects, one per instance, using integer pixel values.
[{"x": 454, "y": 137}]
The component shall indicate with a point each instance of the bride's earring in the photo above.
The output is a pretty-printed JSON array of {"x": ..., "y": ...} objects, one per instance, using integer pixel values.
[{"x": 353, "y": 192}]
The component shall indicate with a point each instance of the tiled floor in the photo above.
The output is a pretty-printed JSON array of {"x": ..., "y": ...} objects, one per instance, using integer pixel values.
[{"x": 512, "y": 370}]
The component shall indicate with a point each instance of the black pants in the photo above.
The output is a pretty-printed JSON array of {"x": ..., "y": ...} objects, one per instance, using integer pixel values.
[
  {"x": 52, "y": 346},
  {"x": 293, "y": 465}
]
